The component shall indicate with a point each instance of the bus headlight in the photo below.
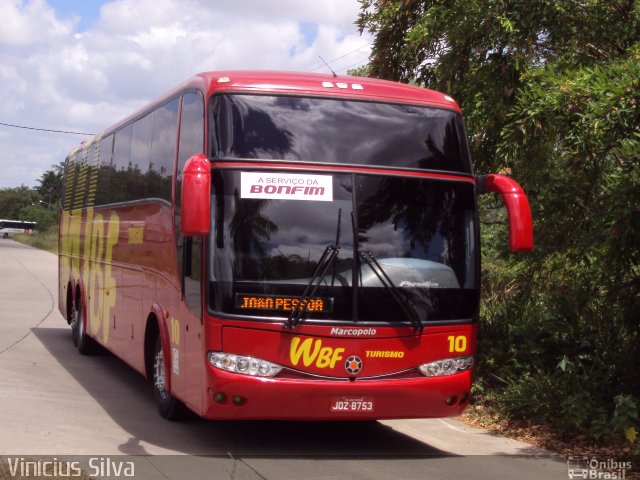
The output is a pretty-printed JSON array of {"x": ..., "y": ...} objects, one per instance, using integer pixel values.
[
  {"x": 448, "y": 366},
  {"x": 244, "y": 365}
]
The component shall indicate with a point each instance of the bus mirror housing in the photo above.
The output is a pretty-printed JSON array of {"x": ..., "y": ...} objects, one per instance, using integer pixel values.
[
  {"x": 195, "y": 218},
  {"x": 518, "y": 209}
]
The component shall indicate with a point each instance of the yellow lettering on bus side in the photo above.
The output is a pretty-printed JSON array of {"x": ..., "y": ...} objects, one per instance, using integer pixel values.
[
  {"x": 88, "y": 226},
  {"x": 175, "y": 331},
  {"x": 95, "y": 284},
  {"x": 135, "y": 235},
  {"x": 71, "y": 243},
  {"x": 101, "y": 283},
  {"x": 109, "y": 281},
  {"x": 65, "y": 246}
]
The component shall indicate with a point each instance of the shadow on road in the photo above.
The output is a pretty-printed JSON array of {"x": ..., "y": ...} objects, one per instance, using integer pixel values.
[{"x": 127, "y": 399}]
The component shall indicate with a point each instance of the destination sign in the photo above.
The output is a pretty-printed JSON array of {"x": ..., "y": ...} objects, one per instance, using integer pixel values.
[{"x": 282, "y": 303}]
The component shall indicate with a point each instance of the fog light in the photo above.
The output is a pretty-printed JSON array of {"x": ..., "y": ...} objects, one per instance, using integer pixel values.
[
  {"x": 451, "y": 400},
  {"x": 220, "y": 397},
  {"x": 237, "y": 400}
]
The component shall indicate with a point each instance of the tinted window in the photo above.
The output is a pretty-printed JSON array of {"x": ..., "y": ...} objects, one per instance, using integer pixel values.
[
  {"x": 191, "y": 128},
  {"x": 122, "y": 148},
  {"x": 92, "y": 173},
  {"x": 69, "y": 181},
  {"x": 337, "y": 131},
  {"x": 419, "y": 233},
  {"x": 120, "y": 183},
  {"x": 106, "y": 172},
  {"x": 191, "y": 142},
  {"x": 80, "y": 191},
  {"x": 141, "y": 144},
  {"x": 163, "y": 150}
]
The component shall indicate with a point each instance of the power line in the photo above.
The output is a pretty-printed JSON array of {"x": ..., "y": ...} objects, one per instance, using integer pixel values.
[
  {"x": 353, "y": 64},
  {"x": 46, "y": 129},
  {"x": 342, "y": 56}
]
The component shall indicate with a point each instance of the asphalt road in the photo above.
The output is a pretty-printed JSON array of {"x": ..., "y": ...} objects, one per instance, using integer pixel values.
[{"x": 55, "y": 402}]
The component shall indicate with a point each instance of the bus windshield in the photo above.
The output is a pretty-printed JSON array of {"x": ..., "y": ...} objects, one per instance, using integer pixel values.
[
  {"x": 337, "y": 131},
  {"x": 362, "y": 247},
  {"x": 263, "y": 253}
]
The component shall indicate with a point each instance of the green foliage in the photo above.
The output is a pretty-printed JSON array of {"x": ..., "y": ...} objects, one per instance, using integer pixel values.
[
  {"x": 551, "y": 91},
  {"x": 43, "y": 216},
  {"x": 13, "y": 200},
  {"x": 39, "y": 204}
]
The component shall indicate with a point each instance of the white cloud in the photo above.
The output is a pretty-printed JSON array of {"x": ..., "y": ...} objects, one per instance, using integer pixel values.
[
  {"x": 30, "y": 23},
  {"x": 52, "y": 76}
]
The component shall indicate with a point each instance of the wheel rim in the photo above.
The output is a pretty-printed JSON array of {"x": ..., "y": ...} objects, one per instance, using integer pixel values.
[
  {"x": 75, "y": 321},
  {"x": 80, "y": 326},
  {"x": 74, "y": 318},
  {"x": 158, "y": 374}
]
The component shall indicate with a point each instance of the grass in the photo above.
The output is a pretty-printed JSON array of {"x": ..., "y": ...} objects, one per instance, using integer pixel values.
[{"x": 47, "y": 240}]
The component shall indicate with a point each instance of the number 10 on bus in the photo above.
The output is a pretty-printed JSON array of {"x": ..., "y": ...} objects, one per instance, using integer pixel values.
[{"x": 457, "y": 343}]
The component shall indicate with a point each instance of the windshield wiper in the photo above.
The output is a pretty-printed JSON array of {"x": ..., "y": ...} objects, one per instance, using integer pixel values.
[
  {"x": 329, "y": 254},
  {"x": 401, "y": 300}
]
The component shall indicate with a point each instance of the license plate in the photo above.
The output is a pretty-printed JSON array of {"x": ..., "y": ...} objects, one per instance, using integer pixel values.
[{"x": 352, "y": 404}]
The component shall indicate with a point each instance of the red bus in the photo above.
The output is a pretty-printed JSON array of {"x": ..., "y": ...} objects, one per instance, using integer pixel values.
[{"x": 271, "y": 245}]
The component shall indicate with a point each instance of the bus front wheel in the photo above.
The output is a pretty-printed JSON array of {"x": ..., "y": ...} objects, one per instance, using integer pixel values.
[{"x": 169, "y": 407}]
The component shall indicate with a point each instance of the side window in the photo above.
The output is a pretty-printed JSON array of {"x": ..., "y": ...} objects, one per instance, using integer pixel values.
[
  {"x": 104, "y": 192},
  {"x": 163, "y": 150},
  {"x": 80, "y": 191},
  {"x": 191, "y": 141},
  {"x": 121, "y": 164},
  {"x": 139, "y": 159},
  {"x": 69, "y": 182},
  {"x": 191, "y": 133},
  {"x": 193, "y": 274},
  {"x": 92, "y": 172}
]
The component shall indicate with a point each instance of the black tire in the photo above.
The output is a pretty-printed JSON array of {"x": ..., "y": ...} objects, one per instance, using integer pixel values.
[
  {"x": 85, "y": 344},
  {"x": 169, "y": 407}
]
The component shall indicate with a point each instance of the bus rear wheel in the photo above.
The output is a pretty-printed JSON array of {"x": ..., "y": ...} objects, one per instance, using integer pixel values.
[
  {"x": 84, "y": 343},
  {"x": 169, "y": 407}
]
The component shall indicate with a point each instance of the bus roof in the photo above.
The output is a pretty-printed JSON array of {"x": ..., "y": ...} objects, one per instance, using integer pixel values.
[
  {"x": 296, "y": 83},
  {"x": 319, "y": 84}
]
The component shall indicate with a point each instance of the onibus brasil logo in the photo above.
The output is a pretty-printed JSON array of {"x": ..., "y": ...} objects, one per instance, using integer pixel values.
[{"x": 593, "y": 468}]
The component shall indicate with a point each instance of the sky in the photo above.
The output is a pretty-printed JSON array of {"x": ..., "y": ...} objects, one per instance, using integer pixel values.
[{"x": 82, "y": 65}]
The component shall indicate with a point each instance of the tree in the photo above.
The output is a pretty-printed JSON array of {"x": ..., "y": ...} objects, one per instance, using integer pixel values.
[
  {"x": 481, "y": 52},
  {"x": 51, "y": 184},
  {"x": 39, "y": 204},
  {"x": 550, "y": 91},
  {"x": 13, "y": 200},
  {"x": 43, "y": 217}
]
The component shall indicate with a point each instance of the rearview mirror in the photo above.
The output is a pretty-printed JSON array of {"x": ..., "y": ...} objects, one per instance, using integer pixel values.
[
  {"x": 518, "y": 209},
  {"x": 196, "y": 196}
]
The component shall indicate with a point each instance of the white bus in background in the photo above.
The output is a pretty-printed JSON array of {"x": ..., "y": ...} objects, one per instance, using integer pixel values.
[{"x": 11, "y": 227}]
